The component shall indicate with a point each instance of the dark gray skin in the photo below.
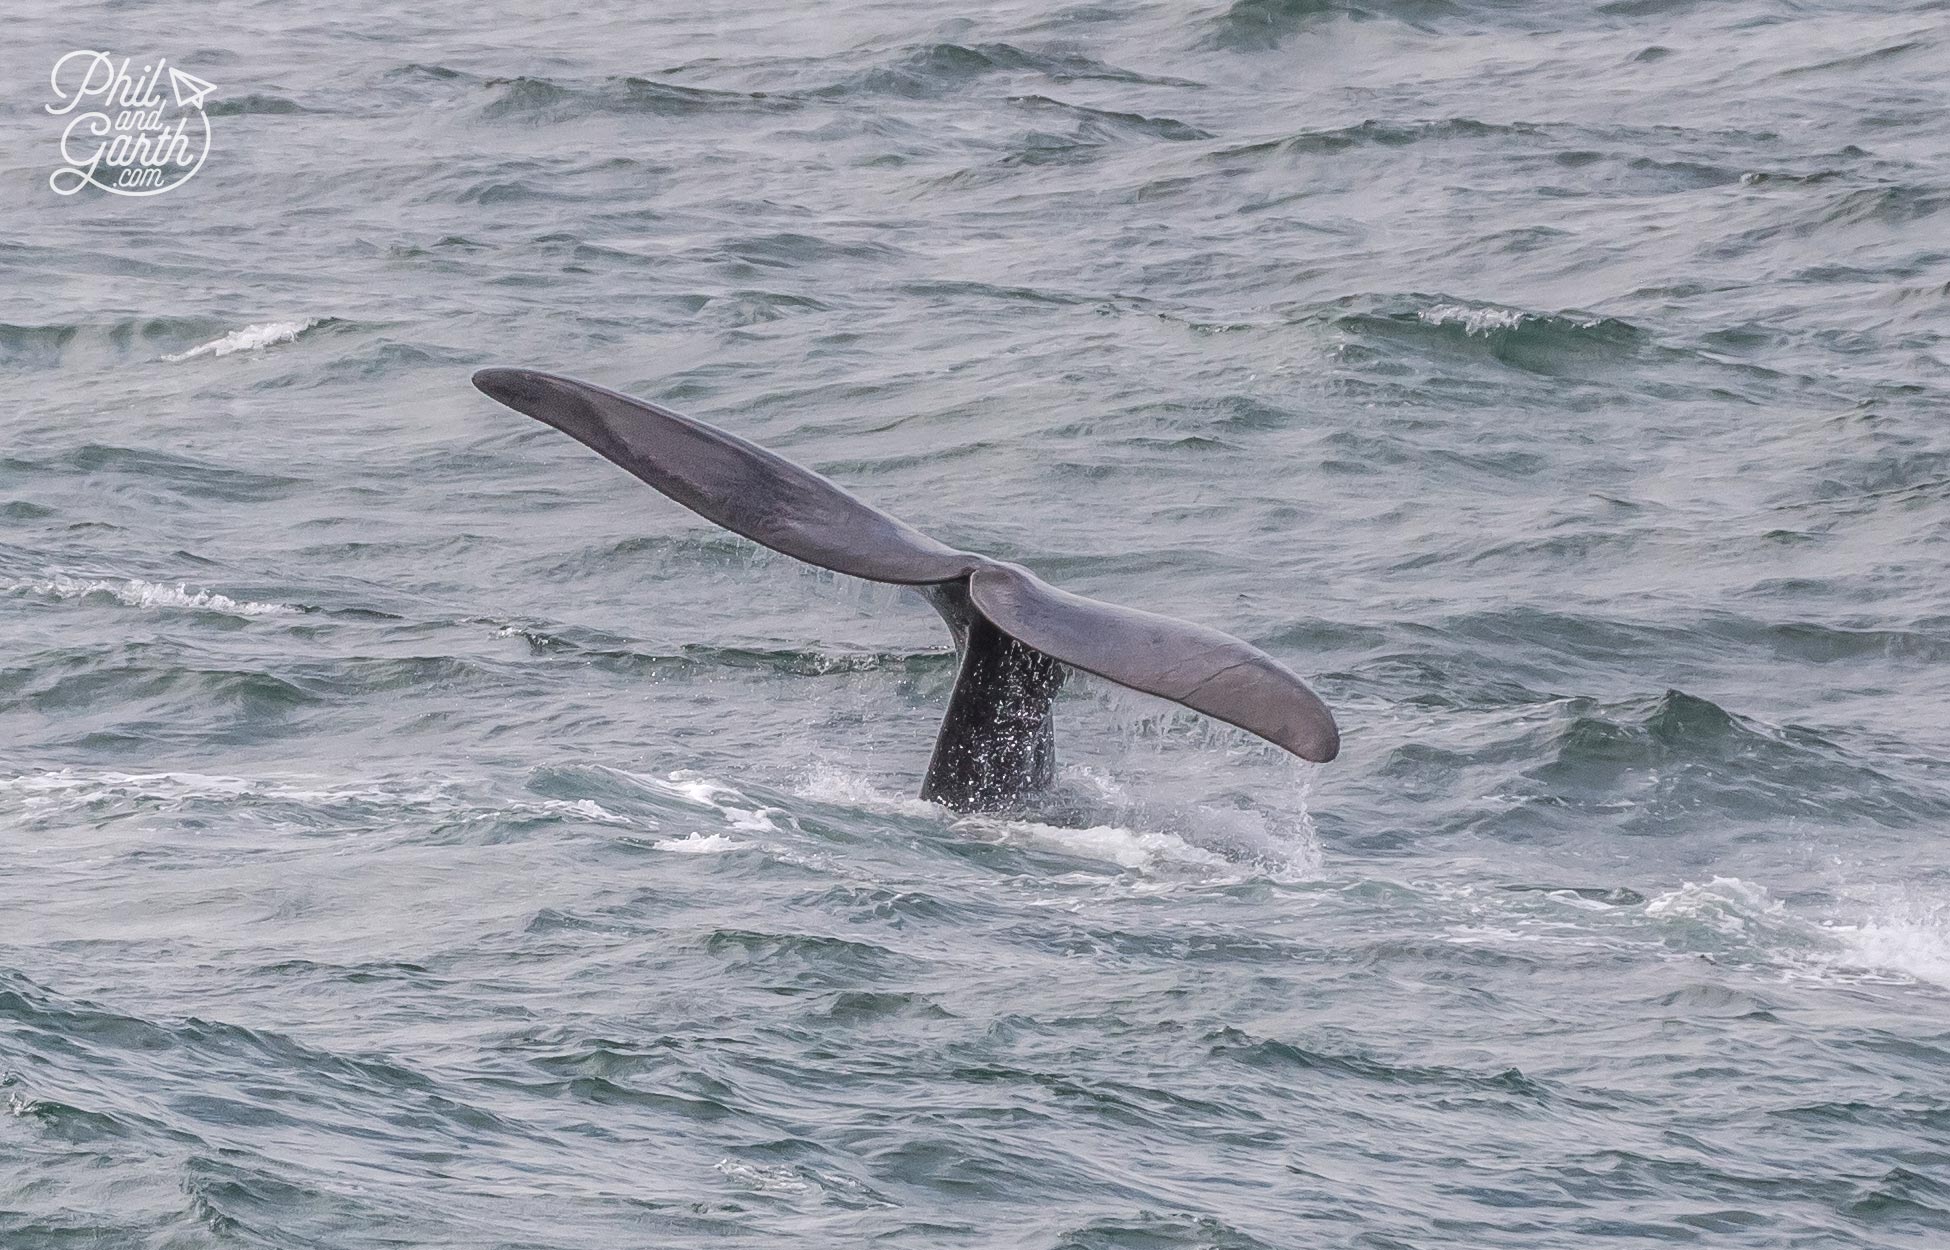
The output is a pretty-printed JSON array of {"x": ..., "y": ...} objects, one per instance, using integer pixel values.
[
  {"x": 997, "y": 745},
  {"x": 1014, "y": 632}
]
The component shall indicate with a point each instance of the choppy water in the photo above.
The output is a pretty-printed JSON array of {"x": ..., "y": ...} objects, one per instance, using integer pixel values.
[{"x": 418, "y": 833}]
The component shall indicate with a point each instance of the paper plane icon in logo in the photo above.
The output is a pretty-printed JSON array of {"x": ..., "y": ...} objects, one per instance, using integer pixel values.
[{"x": 189, "y": 89}]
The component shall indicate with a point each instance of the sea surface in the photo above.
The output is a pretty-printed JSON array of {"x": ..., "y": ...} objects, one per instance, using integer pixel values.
[{"x": 414, "y": 832}]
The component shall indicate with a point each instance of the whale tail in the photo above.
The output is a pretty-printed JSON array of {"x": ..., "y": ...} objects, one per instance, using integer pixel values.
[{"x": 1016, "y": 634}]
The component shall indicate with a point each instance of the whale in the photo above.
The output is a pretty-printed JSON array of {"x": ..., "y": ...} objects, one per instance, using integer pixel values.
[{"x": 1016, "y": 637}]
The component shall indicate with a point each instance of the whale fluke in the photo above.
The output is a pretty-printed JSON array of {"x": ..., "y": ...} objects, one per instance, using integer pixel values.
[
  {"x": 731, "y": 482},
  {"x": 1014, "y": 632}
]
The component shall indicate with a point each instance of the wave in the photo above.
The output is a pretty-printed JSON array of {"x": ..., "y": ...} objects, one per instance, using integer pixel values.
[
  {"x": 1550, "y": 343},
  {"x": 1159, "y": 1230},
  {"x": 254, "y": 104},
  {"x": 1258, "y": 25},
  {"x": 198, "y": 1089},
  {"x": 612, "y": 653},
  {"x": 1237, "y": 1046},
  {"x": 1735, "y": 922},
  {"x": 137, "y": 593},
  {"x": 1900, "y": 205},
  {"x": 1650, "y": 761},
  {"x": 1382, "y": 134},
  {"x": 1908, "y": 941},
  {"x": 1105, "y": 122},
  {"x": 544, "y": 100},
  {"x": 52, "y": 345},
  {"x": 1860, "y": 60},
  {"x": 1474, "y": 320},
  {"x": 811, "y": 959},
  {"x": 1846, "y": 208},
  {"x": 206, "y": 481},
  {"x": 939, "y": 69},
  {"x": 730, "y": 804},
  {"x": 103, "y": 795},
  {"x": 1537, "y": 645},
  {"x": 249, "y": 339},
  {"x": 1143, "y": 849}
]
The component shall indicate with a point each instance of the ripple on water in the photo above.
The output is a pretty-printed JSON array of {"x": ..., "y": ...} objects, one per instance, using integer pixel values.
[{"x": 420, "y": 833}]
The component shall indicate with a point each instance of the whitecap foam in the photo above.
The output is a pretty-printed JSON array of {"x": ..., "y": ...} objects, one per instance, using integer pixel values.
[
  {"x": 1727, "y": 905},
  {"x": 587, "y": 809},
  {"x": 71, "y": 789},
  {"x": 68, "y": 781},
  {"x": 1127, "y": 848},
  {"x": 692, "y": 787},
  {"x": 1913, "y": 940},
  {"x": 736, "y": 808},
  {"x": 777, "y": 1178},
  {"x": 1247, "y": 841},
  {"x": 207, "y": 785},
  {"x": 1473, "y": 320},
  {"x": 137, "y": 593},
  {"x": 249, "y": 339},
  {"x": 701, "y": 844},
  {"x": 1908, "y": 941}
]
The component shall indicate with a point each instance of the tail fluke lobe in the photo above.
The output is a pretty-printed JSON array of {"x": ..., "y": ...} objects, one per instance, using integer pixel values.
[
  {"x": 1207, "y": 671},
  {"x": 739, "y": 485}
]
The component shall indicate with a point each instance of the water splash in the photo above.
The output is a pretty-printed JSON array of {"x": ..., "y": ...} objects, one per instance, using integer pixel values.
[{"x": 1911, "y": 939}]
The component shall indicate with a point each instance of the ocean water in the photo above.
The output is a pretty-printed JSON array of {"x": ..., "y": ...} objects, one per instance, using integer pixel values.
[{"x": 415, "y": 832}]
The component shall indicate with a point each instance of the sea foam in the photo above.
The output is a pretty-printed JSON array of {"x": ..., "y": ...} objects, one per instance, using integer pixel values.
[
  {"x": 137, "y": 593},
  {"x": 248, "y": 339}
]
